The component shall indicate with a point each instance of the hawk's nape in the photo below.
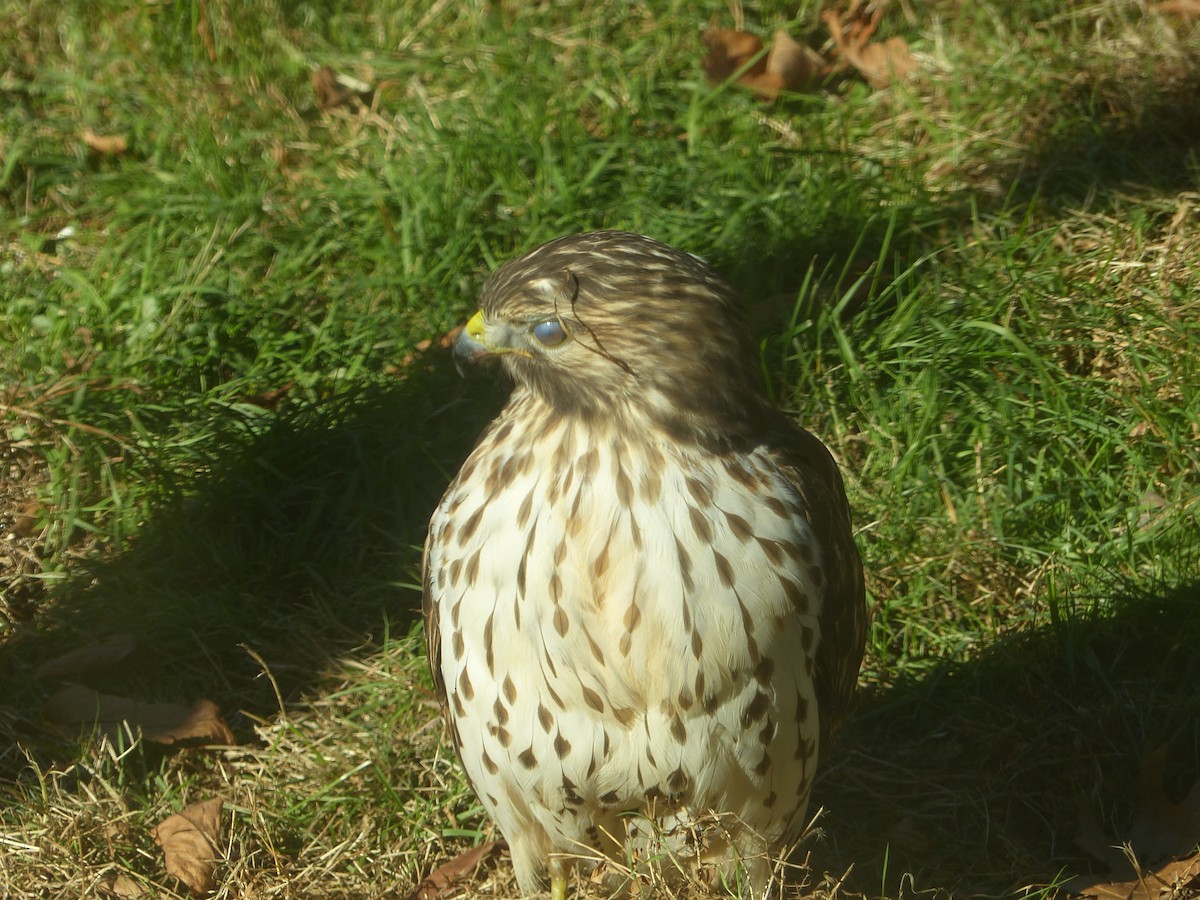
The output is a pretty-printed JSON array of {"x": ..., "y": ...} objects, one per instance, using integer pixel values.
[{"x": 644, "y": 605}]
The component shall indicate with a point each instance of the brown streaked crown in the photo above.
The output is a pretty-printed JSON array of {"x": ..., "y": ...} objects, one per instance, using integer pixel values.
[{"x": 653, "y": 331}]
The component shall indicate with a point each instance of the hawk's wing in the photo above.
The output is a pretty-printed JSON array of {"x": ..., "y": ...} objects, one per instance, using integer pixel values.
[
  {"x": 812, "y": 471},
  {"x": 433, "y": 635}
]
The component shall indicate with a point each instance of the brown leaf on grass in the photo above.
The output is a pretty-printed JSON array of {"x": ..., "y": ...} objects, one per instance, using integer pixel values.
[
  {"x": 77, "y": 707},
  {"x": 879, "y": 63},
  {"x": 104, "y": 144},
  {"x": 791, "y": 66},
  {"x": 272, "y": 398},
  {"x": 88, "y": 659},
  {"x": 1177, "y": 879},
  {"x": 1161, "y": 828},
  {"x": 441, "y": 342},
  {"x": 439, "y": 882},
  {"x": 787, "y": 66},
  {"x": 117, "y": 884},
  {"x": 335, "y": 88},
  {"x": 25, "y": 520},
  {"x": 189, "y": 840},
  {"x": 204, "y": 30},
  {"x": 1093, "y": 839},
  {"x": 420, "y": 348},
  {"x": 329, "y": 94},
  {"x": 1186, "y": 8},
  {"x": 906, "y": 837},
  {"x": 729, "y": 51}
]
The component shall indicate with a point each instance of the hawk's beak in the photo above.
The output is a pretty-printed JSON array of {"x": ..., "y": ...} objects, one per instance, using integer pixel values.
[{"x": 469, "y": 346}]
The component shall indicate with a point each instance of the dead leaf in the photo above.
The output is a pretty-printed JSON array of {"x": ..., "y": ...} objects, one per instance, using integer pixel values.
[
  {"x": 335, "y": 88},
  {"x": 729, "y": 51},
  {"x": 272, "y": 398},
  {"x": 329, "y": 95},
  {"x": 117, "y": 884},
  {"x": 906, "y": 837},
  {"x": 438, "y": 882},
  {"x": 1181, "y": 875},
  {"x": 1175, "y": 879},
  {"x": 421, "y": 347},
  {"x": 189, "y": 840},
  {"x": 1100, "y": 846},
  {"x": 1185, "y": 8},
  {"x": 787, "y": 66},
  {"x": 76, "y": 707},
  {"x": 204, "y": 30},
  {"x": 25, "y": 520},
  {"x": 88, "y": 659},
  {"x": 797, "y": 64},
  {"x": 104, "y": 144},
  {"x": 1160, "y": 828},
  {"x": 790, "y": 66},
  {"x": 878, "y": 63}
]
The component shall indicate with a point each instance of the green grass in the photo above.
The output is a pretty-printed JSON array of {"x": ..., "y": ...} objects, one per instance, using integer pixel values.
[{"x": 979, "y": 287}]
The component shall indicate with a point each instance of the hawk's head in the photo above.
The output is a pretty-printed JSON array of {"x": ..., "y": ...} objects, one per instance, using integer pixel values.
[{"x": 613, "y": 325}]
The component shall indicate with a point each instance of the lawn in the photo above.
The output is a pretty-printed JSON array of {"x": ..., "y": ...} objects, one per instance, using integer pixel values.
[{"x": 233, "y": 238}]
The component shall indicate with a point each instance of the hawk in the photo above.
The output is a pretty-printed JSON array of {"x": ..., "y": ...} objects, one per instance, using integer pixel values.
[{"x": 644, "y": 607}]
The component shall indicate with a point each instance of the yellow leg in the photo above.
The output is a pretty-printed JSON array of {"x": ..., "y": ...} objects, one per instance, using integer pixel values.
[{"x": 558, "y": 887}]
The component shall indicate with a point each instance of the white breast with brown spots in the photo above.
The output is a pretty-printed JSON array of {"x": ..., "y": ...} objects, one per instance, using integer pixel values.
[{"x": 625, "y": 625}]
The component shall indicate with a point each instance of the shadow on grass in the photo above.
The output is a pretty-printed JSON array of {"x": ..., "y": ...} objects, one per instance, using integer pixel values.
[
  {"x": 301, "y": 543},
  {"x": 973, "y": 780},
  {"x": 1130, "y": 134},
  {"x": 1108, "y": 136}
]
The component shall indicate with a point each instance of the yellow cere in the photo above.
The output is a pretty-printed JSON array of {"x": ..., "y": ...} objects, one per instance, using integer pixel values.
[{"x": 475, "y": 326}]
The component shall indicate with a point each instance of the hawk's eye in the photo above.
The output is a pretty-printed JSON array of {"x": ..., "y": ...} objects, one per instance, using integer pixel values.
[{"x": 550, "y": 333}]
